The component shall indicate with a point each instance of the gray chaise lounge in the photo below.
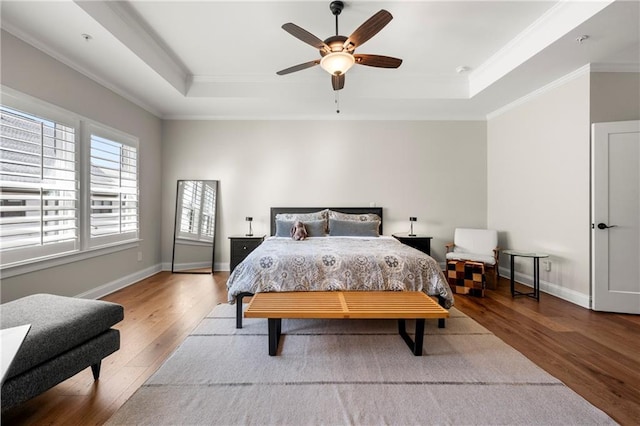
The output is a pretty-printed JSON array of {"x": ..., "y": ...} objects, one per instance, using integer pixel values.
[{"x": 67, "y": 335}]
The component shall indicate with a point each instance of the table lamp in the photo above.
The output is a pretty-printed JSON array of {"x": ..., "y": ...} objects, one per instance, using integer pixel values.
[
  {"x": 249, "y": 219},
  {"x": 411, "y": 220}
]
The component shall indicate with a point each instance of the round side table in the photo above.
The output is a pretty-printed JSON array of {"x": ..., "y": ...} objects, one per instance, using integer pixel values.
[{"x": 536, "y": 272}]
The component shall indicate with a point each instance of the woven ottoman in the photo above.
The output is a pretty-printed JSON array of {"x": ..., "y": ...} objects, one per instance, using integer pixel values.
[
  {"x": 67, "y": 335},
  {"x": 466, "y": 277}
]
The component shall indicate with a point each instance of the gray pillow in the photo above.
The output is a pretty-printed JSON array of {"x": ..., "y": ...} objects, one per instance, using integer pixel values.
[
  {"x": 352, "y": 228},
  {"x": 283, "y": 228},
  {"x": 304, "y": 218},
  {"x": 315, "y": 228}
]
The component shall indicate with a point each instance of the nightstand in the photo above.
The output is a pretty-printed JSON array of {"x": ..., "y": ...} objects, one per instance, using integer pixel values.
[
  {"x": 241, "y": 246},
  {"x": 420, "y": 242}
]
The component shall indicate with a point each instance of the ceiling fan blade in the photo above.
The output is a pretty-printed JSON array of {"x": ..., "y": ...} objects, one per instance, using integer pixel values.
[
  {"x": 298, "y": 67},
  {"x": 378, "y": 61},
  {"x": 306, "y": 36},
  {"x": 337, "y": 81},
  {"x": 367, "y": 30}
]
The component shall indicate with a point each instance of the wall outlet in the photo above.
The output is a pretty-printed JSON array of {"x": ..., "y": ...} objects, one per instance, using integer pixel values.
[
  {"x": 139, "y": 256},
  {"x": 547, "y": 265}
]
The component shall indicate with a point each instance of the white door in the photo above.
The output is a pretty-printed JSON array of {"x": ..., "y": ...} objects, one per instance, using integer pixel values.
[{"x": 615, "y": 230}]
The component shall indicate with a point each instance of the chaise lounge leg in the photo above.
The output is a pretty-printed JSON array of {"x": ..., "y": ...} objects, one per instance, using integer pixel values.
[{"x": 95, "y": 369}]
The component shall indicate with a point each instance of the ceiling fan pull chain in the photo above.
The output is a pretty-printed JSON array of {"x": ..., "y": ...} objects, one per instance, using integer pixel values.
[{"x": 337, "y": 101}]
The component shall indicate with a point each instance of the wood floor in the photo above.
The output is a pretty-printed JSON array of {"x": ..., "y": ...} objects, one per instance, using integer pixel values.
[{"x": 596, "y": 354}]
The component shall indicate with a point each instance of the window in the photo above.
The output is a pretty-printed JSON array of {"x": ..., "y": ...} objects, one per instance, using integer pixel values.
[
  {"x": 38, "y": 205},
  {"x": 113, "y": 189},
  {"x": 62, "y": 189}
]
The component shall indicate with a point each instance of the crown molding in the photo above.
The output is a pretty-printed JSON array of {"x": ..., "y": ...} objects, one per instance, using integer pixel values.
[
  {"x": 586, "y": 69},
  {"x": 559, "y": 20},
  {"x": 315, "y": 117},
  {"x": 47, "y": 50},
  {"x": 124, "y": 23}
]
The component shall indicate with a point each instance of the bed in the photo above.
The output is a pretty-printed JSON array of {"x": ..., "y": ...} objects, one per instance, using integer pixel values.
[{"x": 348, "y": 252}]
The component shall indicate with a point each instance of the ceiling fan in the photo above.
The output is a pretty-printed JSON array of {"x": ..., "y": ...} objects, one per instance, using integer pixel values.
[{"x": 337, "y": 52}]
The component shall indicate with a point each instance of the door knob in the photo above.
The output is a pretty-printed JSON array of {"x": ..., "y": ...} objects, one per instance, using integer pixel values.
[{"x": 604, "y": 226}]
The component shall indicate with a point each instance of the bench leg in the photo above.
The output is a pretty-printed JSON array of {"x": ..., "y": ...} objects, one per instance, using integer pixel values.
[
  {"x": 239, "y": 298},
  {"x": 275, "y": 330},
  {"x": 419, "y": 337},
  {"x": 415, "y": 346},
  {"x": 441, "y": 301},
  {"x": 95, "y": 369}
]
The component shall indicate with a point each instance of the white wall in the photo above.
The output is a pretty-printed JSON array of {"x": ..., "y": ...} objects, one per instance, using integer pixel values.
[
  {"x": 30, "y": 71},
  {"x": 538, "y": 185},
  {"x": 433, "y": 170},
  {"x": 538, "y": 190}
]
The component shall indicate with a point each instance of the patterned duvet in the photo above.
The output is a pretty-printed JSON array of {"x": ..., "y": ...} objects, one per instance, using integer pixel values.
[{"x": 338, "y": 263}]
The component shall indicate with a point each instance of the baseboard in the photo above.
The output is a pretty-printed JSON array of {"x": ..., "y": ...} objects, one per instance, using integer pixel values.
[
  {"x": 192, "y": 265},
  {"x": 222, "y": 266},
  {"x": 572, "y": 296},
  {"x": 120, "y": 283}
]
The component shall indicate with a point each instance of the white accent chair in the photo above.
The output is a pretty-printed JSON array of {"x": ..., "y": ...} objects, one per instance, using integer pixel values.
[{"x": 476, "y": 245}]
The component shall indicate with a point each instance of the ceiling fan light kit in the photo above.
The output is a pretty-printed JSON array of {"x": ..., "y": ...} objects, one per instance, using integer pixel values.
[
  {"x": 337, "y": 52},
  {"x": 337, "y": 63}
]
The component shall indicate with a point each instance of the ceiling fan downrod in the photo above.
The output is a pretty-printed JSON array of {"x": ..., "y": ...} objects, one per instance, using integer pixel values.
[{"x": 336, "y": 7}]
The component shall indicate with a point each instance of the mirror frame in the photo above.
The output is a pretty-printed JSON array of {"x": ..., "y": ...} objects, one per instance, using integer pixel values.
[{"x": 180, "y": 182}]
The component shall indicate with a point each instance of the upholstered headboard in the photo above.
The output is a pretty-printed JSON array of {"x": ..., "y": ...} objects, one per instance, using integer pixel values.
[{"x": 348, "y": 210}]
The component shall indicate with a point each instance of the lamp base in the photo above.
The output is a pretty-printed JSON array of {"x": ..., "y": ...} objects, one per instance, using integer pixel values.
[
  {"x": 412, "y": 235},
  {"x": 248, "y": 235}
]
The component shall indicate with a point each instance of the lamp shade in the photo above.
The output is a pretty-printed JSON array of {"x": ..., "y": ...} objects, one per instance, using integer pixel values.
[{"x": 337, "y": 63}]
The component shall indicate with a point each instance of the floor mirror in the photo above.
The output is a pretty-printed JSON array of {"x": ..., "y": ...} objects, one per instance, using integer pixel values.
[{"x": 195, "y": 227}]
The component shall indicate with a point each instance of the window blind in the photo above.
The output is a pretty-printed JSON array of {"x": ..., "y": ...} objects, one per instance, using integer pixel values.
[
  {"x": 113, "y": 190},
  {"x": 39, "y": 186}
]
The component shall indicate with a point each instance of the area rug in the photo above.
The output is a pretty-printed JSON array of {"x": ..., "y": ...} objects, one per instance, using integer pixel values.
[{"x": 350, "y": 372}]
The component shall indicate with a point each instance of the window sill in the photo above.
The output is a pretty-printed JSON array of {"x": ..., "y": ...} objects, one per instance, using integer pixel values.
[{"x": 63, "y": 259}]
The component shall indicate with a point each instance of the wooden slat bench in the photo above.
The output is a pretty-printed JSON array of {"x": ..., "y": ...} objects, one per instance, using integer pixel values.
[{"x": 401, "y": 305}]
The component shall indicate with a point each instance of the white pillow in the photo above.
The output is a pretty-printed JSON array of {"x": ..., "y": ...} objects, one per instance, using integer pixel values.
[{"x": 363, "y": 217}]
